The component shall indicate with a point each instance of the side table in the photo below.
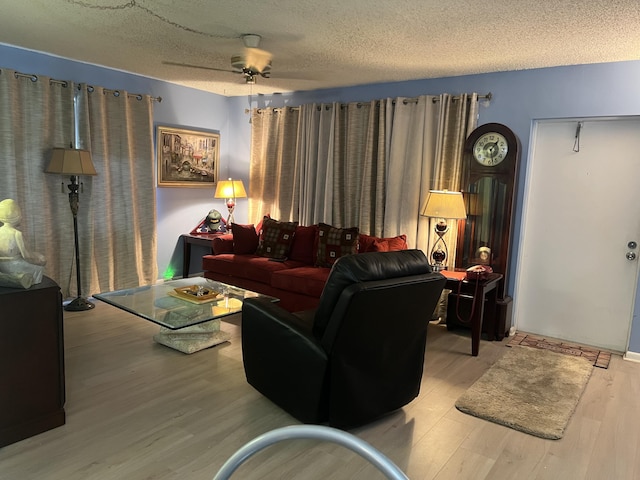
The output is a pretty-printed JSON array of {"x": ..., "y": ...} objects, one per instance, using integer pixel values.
[
  {"x": 486, "y": 301},
  {"x": 32, "y": 360},
  {"x": 188, "y": 239}
]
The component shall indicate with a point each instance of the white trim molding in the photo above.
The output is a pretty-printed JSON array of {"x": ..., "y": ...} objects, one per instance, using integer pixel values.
[{"x": 632, "y": 356}]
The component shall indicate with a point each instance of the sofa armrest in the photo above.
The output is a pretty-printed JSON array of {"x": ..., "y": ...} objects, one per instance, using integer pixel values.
[
  {"x": 283, "y": 360},
  {"x": 222, "y": 244}
]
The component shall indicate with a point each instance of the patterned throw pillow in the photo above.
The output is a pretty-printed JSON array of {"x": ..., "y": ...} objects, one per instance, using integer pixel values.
[
  {"x": 334, "y": 243},
  {"x": 276, "y": 238}
]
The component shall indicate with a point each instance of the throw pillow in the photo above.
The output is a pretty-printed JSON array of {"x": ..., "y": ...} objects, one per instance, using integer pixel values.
[
  {"x": 365, "y": 242},
  {"x": 259, "y": 225},
  {"x": 245, "y": 239},
  {"x": 369, "y": 243},
  {"x": 334, "y": 243},
  {"x": 303, "y": 244},
  {"x": 397, "y": 243},
  {"x": 380, "y": 246},
  {"x": 276, "y": 238}
]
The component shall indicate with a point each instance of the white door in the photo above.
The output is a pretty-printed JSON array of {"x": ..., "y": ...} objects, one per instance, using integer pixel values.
[{"x": 581, "y": 210}]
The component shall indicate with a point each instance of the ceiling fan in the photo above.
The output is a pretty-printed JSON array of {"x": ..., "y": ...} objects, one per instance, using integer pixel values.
[{"x": 251, "y": 63}]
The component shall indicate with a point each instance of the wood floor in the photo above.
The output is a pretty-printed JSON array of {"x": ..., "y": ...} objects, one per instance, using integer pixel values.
[{"x": 138, "y": 410}]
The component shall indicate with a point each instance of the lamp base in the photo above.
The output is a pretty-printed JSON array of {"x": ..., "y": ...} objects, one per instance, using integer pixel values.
[{"x": 79, "y": 304}]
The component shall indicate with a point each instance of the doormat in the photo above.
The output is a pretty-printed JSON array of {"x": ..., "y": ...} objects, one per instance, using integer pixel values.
[
  {"x": 599, "y": 358},
  {"x": 529, "y": 389}
]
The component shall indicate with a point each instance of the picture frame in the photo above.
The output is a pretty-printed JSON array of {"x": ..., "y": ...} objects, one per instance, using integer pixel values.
[{"x": 187, "y": 157}]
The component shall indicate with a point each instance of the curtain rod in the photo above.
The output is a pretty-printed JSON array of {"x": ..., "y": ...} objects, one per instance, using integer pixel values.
[
  {"x": 488, "y": 97},
  {"x": 64, "y": 83}
]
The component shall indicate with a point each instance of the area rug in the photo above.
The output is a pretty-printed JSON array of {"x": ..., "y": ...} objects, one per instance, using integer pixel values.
[
  {"x": 531, "y": 390},
  {"x": 599, "y": 358}
]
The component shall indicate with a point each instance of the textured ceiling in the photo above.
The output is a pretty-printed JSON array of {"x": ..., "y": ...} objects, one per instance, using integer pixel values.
[{"x": 323, "y": 44}]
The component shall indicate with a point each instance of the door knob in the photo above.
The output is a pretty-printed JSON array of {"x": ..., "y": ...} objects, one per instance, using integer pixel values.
[{"x": 631, "y": 256}]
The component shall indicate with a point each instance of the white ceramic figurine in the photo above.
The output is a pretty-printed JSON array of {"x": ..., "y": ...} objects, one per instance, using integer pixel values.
[{"x": 18, "y": 266}]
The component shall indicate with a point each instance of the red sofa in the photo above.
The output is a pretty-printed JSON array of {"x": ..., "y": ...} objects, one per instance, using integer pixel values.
[{"x": 286, "y": 260}]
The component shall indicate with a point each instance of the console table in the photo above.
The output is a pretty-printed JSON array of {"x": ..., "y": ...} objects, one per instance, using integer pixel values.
[
  {"x": 486, "y": 302},
  {"x": 31, "y": 361},
  {"x": 188, "y": 239}
]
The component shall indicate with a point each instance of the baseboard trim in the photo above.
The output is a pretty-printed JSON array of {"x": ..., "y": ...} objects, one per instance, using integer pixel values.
[{"x": 632, "y": 356}]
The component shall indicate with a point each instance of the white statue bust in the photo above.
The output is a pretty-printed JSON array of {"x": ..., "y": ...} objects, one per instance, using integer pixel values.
[{"x": 18, "y": 266}]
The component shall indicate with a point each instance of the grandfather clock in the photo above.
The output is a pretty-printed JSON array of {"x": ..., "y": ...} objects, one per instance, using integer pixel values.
[{"x": 490, "y": 161}]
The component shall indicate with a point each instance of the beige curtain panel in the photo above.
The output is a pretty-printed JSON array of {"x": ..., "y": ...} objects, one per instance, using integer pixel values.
[
  {"x": 116, "y": 216},
  {"x": 369, "y": 165}
]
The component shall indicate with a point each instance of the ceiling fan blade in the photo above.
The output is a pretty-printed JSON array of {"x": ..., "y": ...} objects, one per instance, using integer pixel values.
[
  {"x": 257, "y": 59},
  {"x": 177, "y": 64}
]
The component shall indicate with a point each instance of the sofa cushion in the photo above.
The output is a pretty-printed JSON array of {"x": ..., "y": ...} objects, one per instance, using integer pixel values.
[
  {"x": 245, "y": 239},
  {"x": 369, "y": 243},
  {"x": 305, "y": 280},
  {"x": 254, "y": 267},
  {"x": 276, "y": 238},
  {"x": 334, "y": 243},
  {"x": 302, "y": 248}
]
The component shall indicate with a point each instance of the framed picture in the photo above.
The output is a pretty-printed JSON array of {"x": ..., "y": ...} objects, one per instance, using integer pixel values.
[{"x": 187, "y": 158}]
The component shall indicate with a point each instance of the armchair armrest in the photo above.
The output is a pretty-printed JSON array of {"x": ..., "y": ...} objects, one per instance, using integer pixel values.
[{"x": 283, "y": 360}]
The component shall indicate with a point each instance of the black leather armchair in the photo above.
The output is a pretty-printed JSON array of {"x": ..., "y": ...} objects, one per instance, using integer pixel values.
[{"x": 360, "y": 354}]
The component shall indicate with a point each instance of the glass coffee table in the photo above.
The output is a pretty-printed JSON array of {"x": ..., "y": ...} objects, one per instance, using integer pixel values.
[{"x": 188, "y": 310}]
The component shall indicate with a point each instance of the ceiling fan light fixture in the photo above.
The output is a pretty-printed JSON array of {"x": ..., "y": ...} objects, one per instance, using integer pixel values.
[{"x": 251, "y": 40}]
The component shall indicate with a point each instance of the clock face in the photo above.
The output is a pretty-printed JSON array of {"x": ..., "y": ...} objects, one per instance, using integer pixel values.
[{"x": 490, "y": 149}]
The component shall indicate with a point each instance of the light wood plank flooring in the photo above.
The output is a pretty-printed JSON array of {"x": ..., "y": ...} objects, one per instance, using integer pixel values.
[{"x": 139, "y": 410}]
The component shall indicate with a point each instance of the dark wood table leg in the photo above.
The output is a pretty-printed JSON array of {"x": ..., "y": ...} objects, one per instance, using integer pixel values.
[
  {"x": 476, "y": 323},
  {"x": 186, "y": 256},
  {"x": 490, "y": 312}
]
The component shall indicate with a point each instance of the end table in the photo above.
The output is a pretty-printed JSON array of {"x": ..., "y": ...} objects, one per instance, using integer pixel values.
[{"x": 188, "y": 239}]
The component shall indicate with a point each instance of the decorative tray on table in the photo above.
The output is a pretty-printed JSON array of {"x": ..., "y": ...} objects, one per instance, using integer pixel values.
[{"x": 195, "y": 294}]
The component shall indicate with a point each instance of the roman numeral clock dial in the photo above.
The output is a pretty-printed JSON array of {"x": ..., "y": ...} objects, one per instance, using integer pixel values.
[{"x": 490, "y": 149}]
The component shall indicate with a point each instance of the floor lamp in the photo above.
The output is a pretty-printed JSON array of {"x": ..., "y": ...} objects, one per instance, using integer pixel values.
[
  {"x": 230, "y": 190},
  {"x": 442, "y": 205},
  {"x": 75, "y": 163}
]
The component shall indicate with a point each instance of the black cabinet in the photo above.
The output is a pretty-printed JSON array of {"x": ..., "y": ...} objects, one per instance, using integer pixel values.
[{"x": 32, "y": 390}]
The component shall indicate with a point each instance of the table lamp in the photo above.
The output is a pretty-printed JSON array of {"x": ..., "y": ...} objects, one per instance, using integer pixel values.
[
  {"x": 442, "y": 205},
  {"x": 230, "y": 190}
]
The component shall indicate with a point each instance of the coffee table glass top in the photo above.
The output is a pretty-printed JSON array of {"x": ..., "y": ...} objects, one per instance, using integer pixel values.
[{"x": 160, "y": 304}]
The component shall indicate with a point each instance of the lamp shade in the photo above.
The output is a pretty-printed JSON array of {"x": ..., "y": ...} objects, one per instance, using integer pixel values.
[
  {"x": 230, "y": 189},
  {"x": 70, "y": 161},
  {"x": 444, "y": 204}
]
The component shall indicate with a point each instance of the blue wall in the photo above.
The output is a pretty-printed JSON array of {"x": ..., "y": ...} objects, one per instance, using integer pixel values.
[{"x": 518, "y": 98}]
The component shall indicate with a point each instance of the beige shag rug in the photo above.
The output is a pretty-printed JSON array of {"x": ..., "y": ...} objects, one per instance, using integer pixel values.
[{"x": 530, "y": 390}]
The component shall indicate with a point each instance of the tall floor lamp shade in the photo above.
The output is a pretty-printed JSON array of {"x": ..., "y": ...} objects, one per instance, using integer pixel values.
[
  {"x": 75, "y": 163},
  {"x": 230, "y": 190},
  {"x": 442, "y": 205}
]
